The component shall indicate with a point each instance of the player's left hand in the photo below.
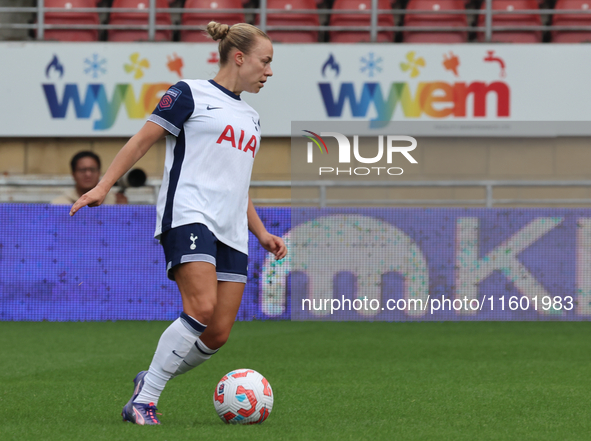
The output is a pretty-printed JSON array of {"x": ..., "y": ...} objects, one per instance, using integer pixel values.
[{"x": 273, "y": 244}]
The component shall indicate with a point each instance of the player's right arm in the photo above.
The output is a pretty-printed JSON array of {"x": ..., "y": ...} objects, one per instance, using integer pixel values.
[
  {"x": 174, "y": 108},
  {"x": 131, "y": 152}
]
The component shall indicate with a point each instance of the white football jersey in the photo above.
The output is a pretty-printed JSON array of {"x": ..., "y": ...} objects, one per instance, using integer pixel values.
[{"x": 209, "y": 157}]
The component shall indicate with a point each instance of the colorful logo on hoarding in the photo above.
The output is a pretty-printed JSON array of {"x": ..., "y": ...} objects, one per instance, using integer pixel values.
[
  {"x": 54, "y": 66},
  {"x": 435, "y": 99},
  {"x": 175, "y": 64},
  {"x": 490, "y": 57},
  {"x": 83, "y": 101},
  {"x": 95, "y": 94},
  {"x": 370, "y": 64},
  {"x": 413, "y": 64},
  {"x": 136, "y": 65},
  {"x": 451, "y": 63},
  {"x": 332, "y": 65},
  {"x": 95, "y": 66}
]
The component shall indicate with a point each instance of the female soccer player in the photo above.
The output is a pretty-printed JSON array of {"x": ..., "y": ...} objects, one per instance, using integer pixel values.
[{"x": 204, "y": 210}]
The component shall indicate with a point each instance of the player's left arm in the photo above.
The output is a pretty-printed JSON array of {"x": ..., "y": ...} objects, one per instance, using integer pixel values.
[{"x": 270, "y": 242}]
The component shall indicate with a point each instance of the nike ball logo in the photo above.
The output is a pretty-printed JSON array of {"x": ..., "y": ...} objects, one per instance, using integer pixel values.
[{"x": 212, "y": 108}]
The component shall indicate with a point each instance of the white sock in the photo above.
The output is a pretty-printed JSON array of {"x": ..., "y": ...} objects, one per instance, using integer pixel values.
[
  {"x": 174, "y": 345},
  {"x": 198, "y": 354}
]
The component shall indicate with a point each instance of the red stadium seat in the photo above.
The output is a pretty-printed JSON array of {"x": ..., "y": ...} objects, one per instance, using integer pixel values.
[
  {"x": 202, "y": 19},
  {"x": 435, "y": 20},
  {"x": 71, "y": 18},
  {"x": 524, "y": 36},
  {"x": 359, "y": 20},
  {"x": 572, "y": 20},
  {"x": 295, "y": 19},
  {"x": 136, "y": 19}
]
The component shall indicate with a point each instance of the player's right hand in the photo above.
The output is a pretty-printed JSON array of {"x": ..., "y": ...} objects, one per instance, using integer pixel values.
[{"x": 93, "y": 198}]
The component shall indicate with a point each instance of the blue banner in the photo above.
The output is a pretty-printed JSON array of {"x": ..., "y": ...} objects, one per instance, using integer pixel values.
[
  {"x": 438, "y": 264},
  {"x": 343, "y": 264},
  {"x": 101, "y": 264}
]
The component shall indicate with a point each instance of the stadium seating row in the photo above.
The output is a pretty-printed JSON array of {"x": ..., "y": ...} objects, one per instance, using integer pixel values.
[{"x": 455, "y": 24}]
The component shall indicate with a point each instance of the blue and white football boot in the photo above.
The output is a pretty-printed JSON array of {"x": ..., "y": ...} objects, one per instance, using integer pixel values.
[{"x": 139, "y": 413}]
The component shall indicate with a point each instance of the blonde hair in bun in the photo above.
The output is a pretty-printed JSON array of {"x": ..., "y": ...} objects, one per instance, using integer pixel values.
[
  {"x": 217, "y": 31},
  {"x": 242, "y": 36}
]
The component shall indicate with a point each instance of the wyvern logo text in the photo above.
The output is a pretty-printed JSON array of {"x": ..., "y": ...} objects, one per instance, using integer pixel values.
[
  {"x": 452, "y": 99},
  {"x": 123, "y": 95},
  {"x": 344, "y": 153}
]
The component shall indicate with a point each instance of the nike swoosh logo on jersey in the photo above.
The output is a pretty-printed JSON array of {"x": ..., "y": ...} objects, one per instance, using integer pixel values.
[
  {"x": 174, "y": 352},
  {"x": 212, "y": 108}
]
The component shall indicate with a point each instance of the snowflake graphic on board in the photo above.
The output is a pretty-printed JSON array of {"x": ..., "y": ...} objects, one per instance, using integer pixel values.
[
  {"x": 370, "y": 64},
  {"x": 94, "y": 66}
]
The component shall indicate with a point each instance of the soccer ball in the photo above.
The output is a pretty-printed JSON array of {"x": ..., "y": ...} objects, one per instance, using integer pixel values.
[{"x": 243, "y": 396}]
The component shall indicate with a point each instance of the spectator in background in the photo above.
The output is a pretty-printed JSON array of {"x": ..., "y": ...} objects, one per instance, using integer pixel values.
[{"x": 86, "y": 171}]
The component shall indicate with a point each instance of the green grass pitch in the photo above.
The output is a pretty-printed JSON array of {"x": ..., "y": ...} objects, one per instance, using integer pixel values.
[{"x": 341, "y": 381}]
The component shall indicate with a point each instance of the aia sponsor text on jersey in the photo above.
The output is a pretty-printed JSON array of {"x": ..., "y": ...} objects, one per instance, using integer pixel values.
[{"x": 229, "y": 135}]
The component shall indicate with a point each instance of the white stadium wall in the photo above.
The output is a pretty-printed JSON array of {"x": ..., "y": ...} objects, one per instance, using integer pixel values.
[{"x": 109, "y": 89}]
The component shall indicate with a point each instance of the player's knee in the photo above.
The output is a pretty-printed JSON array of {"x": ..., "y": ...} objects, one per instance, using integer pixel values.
[
  {"x": 200, "y": 310},
  {"x": 216, "y": 340},
  {"x": 206, "y": 311}
]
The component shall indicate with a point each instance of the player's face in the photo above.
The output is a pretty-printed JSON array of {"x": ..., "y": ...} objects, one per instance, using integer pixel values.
[
  {"x": 87, "y": 174},
  {"x": 257, "y": 66}
]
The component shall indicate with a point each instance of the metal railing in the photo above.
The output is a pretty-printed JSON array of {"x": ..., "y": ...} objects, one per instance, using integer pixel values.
[
  {"x": 488, "y": 201},
  {"x": 262, "y": 12},
  {"x": 323, "y": 200}
]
